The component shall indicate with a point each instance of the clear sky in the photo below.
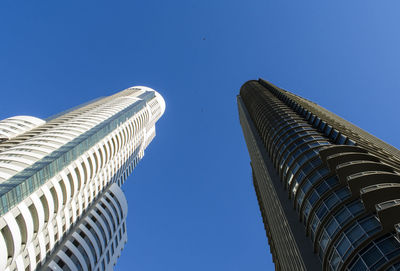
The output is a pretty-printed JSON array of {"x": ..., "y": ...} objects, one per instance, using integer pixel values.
[{"x": 192, "y": 205}]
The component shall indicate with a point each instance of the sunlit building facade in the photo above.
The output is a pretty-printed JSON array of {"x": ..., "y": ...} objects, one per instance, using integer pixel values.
[
  {"x": 61, "y": 206},
  {"x": 329, "y": 192}
]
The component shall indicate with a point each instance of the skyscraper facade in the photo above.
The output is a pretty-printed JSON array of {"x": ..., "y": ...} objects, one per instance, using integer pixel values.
[
  {"x": 61, "y": 205},
  {"x": 329, "y": 192}
]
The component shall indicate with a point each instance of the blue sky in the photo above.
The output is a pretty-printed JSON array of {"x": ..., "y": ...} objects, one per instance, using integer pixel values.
[{"x": 191, "y": 201}]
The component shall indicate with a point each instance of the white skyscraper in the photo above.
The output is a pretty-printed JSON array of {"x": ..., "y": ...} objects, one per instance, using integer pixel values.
[{"x": 61, "y": 206}]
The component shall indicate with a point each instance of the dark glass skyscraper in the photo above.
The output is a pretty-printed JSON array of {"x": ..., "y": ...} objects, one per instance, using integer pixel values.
[{"x": 329, "y": 192}]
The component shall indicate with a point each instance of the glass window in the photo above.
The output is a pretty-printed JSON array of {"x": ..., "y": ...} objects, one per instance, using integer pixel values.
[
  {"x": 352, "y": 237},
  {"x": 325, "y": 206},
  {"x": 343, "y": 246},
  {"x": 312, "y": 118},
  {"x": 323, "y": 242},
  {"x": 359, "y": 265},
  {"x": 286, "y": 122},
  {"x": 341, "y": 140},
  {"x": 334, "y": 134},
  {"x": 307, "y": 184},
  {"x": 332, "y": 227},
  {"x": 322, "y": 188},
  {"x": 377, "y": 253},
  {"x": 328, "y": 130},
  {"x": 283, "y": 142},
  {"x": 316, "y": 123},
  {"x": 282, "y": 146},
  {"x": 355, "y": 233},
  {"x": 322, "y": 126},
  {"x": 343, "y": 215},
  {"x": 297, "y": 165},
  {"x": 335, "y": 260},
  {"x": 372, "y": 256}
]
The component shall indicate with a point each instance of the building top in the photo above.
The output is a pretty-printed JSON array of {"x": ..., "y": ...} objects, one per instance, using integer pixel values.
[
  {"x": 17, "y": 125},
  {"x": 52, "y": 151},
  {"x": 360, "y": 136}
]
